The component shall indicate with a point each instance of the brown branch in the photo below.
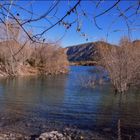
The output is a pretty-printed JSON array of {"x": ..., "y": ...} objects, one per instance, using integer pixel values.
[
  {"x": 138, "y": 7},
  {"x": 107, "y": 10},
  {"x": 126, "y": 21},
  {"x": 110, "y": 8},
  {"x": 20, "y": 49},
  {"x": 44, "y": 15},
  {"x": 59, "y": 21},
  {"x": 99, "y": 2}
]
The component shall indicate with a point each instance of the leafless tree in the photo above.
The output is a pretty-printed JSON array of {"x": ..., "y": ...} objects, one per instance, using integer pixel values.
[
  {"x": 75, "y": 9},
  {"x": 15, "y": 24},
  {"x": 122, "y": 64},
  {"x": 19, "y": 56},
  {"x": 49, "y": 59}
]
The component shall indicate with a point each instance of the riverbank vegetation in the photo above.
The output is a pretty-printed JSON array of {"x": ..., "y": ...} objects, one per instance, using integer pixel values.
[
  {"x": 19, "y": 56},
  {"x": 122, "y": 63}
]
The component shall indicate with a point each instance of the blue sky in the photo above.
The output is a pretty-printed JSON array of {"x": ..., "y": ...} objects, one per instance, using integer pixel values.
[{"x": 70, "y": 37}]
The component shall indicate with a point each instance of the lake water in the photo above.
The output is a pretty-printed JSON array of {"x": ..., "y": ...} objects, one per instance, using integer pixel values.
[{"x": 31, "y": 104}]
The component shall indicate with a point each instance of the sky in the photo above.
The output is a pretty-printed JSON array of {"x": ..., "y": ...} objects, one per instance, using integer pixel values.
[{"x": 68, "y": 37}]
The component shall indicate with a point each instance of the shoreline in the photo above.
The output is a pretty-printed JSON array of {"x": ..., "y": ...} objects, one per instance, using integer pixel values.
[
  {"x": 84, "y": 63},
  {"x": 69, "y": 133},
  {"x": 66, "y": 134}
]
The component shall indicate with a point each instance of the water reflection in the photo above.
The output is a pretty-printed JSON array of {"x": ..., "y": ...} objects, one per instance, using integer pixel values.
[
  {"x": 28, "y": 99},
  {"x": 119, "y": 106},
  {"x": 62, "y": 99}
]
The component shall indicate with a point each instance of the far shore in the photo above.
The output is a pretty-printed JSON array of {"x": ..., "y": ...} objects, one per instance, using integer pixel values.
[{"x": 84, "y": 63}]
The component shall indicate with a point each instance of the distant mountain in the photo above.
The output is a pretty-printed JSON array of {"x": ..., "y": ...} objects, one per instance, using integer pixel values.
[
  {"x": 88, "y": 52},
  {"x": 136, "y": 42},
  {"x": 84, "y": 52}
]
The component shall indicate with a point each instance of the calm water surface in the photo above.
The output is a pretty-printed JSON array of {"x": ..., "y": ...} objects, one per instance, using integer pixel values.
[{"x": 32, "y": 103}]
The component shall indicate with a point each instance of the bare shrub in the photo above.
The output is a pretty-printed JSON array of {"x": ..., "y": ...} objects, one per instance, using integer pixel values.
[
  {"x": 18, "y": 56},
  {"x": 49, "y": 59},
  {"x": 14, "y": 49},
  {"x": 122, "y": 64}
]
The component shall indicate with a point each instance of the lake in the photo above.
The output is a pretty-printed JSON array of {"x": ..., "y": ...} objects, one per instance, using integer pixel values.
[{"x": 36, "y": 104}]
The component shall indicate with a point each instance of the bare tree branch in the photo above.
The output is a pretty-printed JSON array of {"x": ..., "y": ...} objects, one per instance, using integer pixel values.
[{"x": 104, "y": 12}]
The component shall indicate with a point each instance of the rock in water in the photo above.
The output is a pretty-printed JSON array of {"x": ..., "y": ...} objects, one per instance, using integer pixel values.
[{"x": 53, "y": 135}]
